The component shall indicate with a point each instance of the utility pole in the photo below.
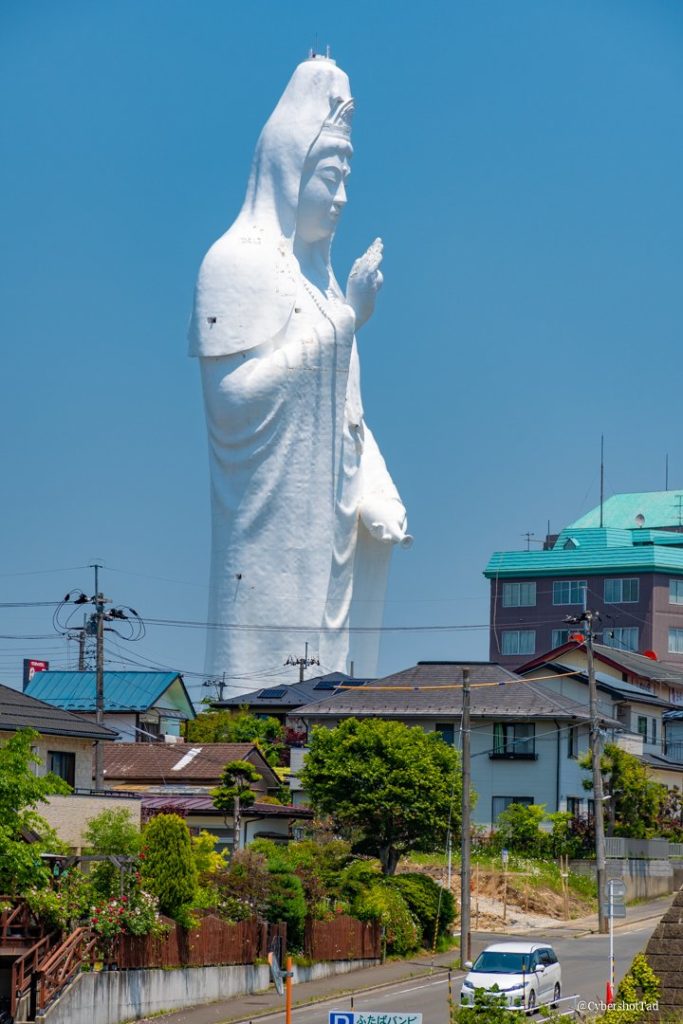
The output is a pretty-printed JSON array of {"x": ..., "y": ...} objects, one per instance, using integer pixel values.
[
  {"x": 99, "y": 679},
  {"x": 303, "y": 663},
  {"x": 465, "y": 817},
  {"x": 81, "y": 647},
  {"x": 588, "y": 617},
  {"x": 220, "y": 685}
]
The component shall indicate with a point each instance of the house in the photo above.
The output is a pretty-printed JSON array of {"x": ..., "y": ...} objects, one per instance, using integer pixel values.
[
  {"x": 139, "y": 706},
  {"x": 179, "y": 780},
  {"x": 65, "y": 747},
  {"x": 624, "y": 559},
  {"x": 525, "y": 738},
  {"x": 184, "y": 767},
  {"x": 281, "y": 701}
]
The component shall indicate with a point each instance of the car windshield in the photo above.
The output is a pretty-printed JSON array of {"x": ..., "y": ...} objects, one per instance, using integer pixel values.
[{"x": 491, "y": 962}]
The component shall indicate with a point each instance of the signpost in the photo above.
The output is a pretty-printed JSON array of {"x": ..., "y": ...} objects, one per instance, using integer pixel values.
[
  {"x": 372, "y": 1017},
  {"x": 616, "y": 890}
]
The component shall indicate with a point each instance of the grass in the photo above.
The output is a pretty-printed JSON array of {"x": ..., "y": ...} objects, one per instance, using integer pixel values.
[{"x": 545, "y": 873}]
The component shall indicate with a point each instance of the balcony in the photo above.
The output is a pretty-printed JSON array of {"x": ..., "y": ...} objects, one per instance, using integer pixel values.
[{"x": 522, "y": 752}]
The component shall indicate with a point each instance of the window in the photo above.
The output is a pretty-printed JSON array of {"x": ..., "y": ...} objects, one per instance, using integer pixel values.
[
  {"x": 675, "y": 591},
  {"x": 499, "y": 803},
  {"x": 559, "y": 637},
  {"x": 514, "y": 739},
  {"x": 569, "y": 591},
  {"x": 675, "y": 641},
  {"x": 573, "y": 741},
  {"x": 62, "y": 763},
  {"x": 654, "y": 730},
  {"x": 622, "y": 591},
  {"x": 518, "y": 641},
  {"x": 519, "y": 595},
  {"x": 642, "y": 726},
  {"x": 574, "y": 805},
  {"x": 624, "y": 638},
  {"x": 447, "y": 732}
]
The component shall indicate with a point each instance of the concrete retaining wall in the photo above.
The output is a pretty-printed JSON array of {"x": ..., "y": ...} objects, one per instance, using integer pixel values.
[
  {"x": 110, "y": 997},
  {"x": 644, "y": 879}
]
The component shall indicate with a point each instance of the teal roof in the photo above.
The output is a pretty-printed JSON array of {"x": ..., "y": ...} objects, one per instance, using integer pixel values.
[
  {"x": 622, "y": 545},
  {"x": 658, "y": 508},
  {"x": 123, "y": 691}
]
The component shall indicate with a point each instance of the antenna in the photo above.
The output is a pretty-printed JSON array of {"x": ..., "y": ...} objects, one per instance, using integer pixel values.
[
  {"x": 602, "y": 475},
  {"x": 666, "y": 473}
]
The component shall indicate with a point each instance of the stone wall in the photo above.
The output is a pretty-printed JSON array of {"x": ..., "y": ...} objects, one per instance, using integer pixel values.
[{"x": 664, "y": 953}]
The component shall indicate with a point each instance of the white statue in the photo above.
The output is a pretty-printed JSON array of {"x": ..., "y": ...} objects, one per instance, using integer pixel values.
[{"x": 304, "y": 512}]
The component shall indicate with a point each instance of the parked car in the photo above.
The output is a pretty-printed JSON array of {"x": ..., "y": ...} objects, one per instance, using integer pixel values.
[{"x": 527, "y": 973}]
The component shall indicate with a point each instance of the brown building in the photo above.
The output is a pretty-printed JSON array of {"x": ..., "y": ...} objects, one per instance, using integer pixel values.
[{"x": 624, "y": 561}]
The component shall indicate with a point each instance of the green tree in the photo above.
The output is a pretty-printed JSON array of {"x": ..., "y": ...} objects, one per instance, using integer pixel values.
[
  {"x": 235, "y": 793},
  {"x": 113, "y": 832},
  {"x": 168, "y": 867},
  {"x": 238, "y": 726},
  {"x": 21, "y": 791},
  {"x": 518, "y": 828},
  {"x": 388, "y": 788},
  {"x": 429, "y": 903},
  {"x": 635, "y": 800}
]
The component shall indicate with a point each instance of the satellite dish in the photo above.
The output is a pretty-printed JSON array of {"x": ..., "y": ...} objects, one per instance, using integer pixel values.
[{"x": 640, "y": 520}]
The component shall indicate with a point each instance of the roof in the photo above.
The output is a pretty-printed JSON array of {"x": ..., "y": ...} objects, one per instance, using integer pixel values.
[
  {"x": 181, "y": 763},
  {"x": 627, "y": 661},
  {"x": 19, "y": 711},
  {"x": 123, "y": 691},
  {"x": 658, "y": 509},
  {"x": 205, "y": 805},
  {"x": 513, "y": 697},
  {"x": 291, "y": 695},
  {"x": 515, "y": 947},
  {"x": 608, "y": 684},
  {"x": 660, "y": 761}
]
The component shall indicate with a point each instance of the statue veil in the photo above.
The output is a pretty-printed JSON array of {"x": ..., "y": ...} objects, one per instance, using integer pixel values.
[{"x": 246, "y": 285}]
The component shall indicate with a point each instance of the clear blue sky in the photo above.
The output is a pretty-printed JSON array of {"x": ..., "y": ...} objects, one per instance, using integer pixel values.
[{"x": 523, "y": 163}]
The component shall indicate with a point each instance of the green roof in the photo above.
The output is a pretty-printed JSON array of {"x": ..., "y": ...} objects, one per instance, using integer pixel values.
[
  {"x": 626, "y": 543},
  {"x": 658, "y": 508},
  {"x": 123, "y": 691}
]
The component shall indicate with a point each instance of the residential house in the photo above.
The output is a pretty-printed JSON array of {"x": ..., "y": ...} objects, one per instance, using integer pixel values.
[
  {"x": 65, "y": 747},
  {"x": 139, "y": 706},
  {"x": 525, "y": 738},
  {"x": 624, "y": 559},
  {"x": 179, "y": 779}
]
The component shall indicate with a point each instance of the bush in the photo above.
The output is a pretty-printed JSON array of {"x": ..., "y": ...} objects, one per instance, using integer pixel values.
[
  {"x": 286, "y": 902},
  {"x": 488, "y": 1008},
  {"x": 518, "y": 829},
  {"x": 242, "y": 888},
  {"x": 384, "y": 903},
  {"x": 426, "y": 899},
  {"x": 168, "y": 868}
]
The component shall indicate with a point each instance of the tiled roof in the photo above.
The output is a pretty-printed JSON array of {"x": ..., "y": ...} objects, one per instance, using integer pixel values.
[
  {"x": 180, "y": 763},
  {"x": 123, "y": 691},
  {"x": 503, "y": 695},
  {"x": 291, "y": 695},
  {"x": 659, "y": 761},
  {"x": 606, "y": 683},
  {"x": 19, "y": 711},
  {"x": 204, "y": 805},
  {"x": 638, "y": 664}
]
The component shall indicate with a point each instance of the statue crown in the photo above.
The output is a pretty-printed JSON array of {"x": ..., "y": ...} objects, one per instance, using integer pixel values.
[{"x": 340, "y": 119}]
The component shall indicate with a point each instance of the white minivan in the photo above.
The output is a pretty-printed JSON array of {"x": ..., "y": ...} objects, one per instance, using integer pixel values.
[{"x": 527, "y": 973}]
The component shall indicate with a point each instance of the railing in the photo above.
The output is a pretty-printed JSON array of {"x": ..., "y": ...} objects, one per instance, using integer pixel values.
[
  {"x": 638, "y": 849},
  {"x": 61, "y": 966},
  {"x": 676, "y": 849},
  {"x": 674, "y": 751},
  {"x": 25, "y": 966},
  {"x": 18, "y": 924},
  {"x": 343, "y": 938}
]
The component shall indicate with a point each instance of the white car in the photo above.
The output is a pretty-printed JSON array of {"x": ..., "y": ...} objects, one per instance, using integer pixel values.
[{"x": 527, "y": 973}]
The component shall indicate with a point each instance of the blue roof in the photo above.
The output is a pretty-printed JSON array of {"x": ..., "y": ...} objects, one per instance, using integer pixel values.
[
  {"x": 657, "y": 508},
  {"x": 123, "y": 691}
]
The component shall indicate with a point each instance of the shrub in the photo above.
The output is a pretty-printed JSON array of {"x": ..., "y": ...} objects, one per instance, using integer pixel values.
[
  {"x": 243, "y": 887},
  {"x": 518, "y": 829},
  {"x": 384, "y": 903},
  {"x": 168, "y": 868},
  {"x": 488, "y": 1008},
  {"x": 286, "y": 902},
  {"x": 426, "y": 899}
]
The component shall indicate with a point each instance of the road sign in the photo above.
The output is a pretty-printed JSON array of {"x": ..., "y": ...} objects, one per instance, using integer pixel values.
[
  {"x": 616, "y": 887},
  {"x": 372, "y": 1017},
  {"x": 617, "y": 908},
  {"x": 504, "y": 856}
]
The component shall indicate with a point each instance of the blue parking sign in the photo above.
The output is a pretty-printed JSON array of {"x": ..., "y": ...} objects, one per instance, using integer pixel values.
[{"x": 339, "y": 1017}]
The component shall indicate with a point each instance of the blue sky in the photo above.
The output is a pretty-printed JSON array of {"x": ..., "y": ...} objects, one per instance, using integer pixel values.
[{"x": 523, "y": 164}]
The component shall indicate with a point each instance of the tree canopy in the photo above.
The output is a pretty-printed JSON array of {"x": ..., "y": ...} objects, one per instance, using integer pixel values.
[
  {"x": 389, "y": 788},
  {"x": 635, "y": 799},
  {"x": 235, "y": 784},
  {"x": 238, "y": 726}
]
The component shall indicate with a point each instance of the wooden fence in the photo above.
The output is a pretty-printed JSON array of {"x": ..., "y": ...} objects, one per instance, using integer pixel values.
[
  {"x": 213, "y": 941},
  {"x": 343, "y": 938}
]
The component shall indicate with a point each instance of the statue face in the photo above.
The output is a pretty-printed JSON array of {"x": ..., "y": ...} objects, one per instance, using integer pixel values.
[{"x": 322, "y": 196}]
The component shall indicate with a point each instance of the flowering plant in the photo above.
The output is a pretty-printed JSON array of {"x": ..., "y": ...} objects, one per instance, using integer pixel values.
[{"x": 137, "y": 914}]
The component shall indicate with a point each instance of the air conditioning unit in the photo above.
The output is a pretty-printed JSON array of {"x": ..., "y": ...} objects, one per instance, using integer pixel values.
[{"x": 173, "y": 739}]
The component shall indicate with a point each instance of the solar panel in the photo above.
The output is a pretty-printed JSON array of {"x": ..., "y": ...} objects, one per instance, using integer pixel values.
[
  {"x": 273, "y": 694},
  {"x": 326, "y": 684}
]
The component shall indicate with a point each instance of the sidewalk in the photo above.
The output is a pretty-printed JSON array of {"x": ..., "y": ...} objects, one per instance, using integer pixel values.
[{"x": 250, "y": 1007}]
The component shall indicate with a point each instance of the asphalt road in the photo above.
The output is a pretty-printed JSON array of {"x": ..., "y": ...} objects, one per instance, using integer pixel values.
[{"x": 584, "y": 972}]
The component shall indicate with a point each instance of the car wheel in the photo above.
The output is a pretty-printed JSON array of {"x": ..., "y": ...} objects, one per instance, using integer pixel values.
[
  {"x": 531, "y": 1002},
  {"x": 556, "y": 996}
]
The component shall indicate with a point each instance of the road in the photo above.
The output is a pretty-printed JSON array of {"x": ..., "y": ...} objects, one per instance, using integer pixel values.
[{"x": 584, "y": 972}]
